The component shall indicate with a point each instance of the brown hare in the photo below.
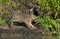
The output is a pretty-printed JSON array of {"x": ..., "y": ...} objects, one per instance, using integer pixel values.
[{"x": 25, "y": 17}]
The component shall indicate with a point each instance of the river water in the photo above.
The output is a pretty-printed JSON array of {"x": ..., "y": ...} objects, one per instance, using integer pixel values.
[{"x": 27, "y": 36}]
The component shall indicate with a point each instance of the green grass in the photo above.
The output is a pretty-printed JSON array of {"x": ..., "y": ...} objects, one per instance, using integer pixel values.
[
  {"x": 6, "y": 2},
  {"x": 50, "y": 6},
  {"x": 3, "y": 22},
  {"x": 48, "y": 24}
]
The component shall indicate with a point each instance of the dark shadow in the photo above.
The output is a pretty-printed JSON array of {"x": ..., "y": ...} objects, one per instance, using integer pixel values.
[
  {"x": 35, "y": 11},
  {"x": 33, "y": 22},
  {"x": 19, "y": 24}
]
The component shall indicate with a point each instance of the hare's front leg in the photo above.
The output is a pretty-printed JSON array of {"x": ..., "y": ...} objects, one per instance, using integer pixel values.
[{"x": 30, "y": 26}]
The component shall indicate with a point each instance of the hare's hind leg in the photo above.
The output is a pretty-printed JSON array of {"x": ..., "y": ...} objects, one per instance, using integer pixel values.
[{"x": 11, "y": 24}]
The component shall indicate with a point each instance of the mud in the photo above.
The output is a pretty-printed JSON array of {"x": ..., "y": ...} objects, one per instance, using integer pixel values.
[{"x": 24, "y": 31}]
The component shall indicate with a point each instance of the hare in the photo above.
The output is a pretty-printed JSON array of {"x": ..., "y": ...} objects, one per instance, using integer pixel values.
[{"x": 25, "y": 17}]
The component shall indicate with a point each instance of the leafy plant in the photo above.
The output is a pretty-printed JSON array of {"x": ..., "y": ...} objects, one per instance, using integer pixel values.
[
  {"x": 50, "y": 6},
  {"x": 6, "y": 2},
  {"x": 2, "y": 22},
  {"x": 48, "y": 23}
]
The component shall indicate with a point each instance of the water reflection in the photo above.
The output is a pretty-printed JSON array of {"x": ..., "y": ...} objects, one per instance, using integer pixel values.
[
  {"x": 50, "y": 37},
  {"x": 30, "y": 36}
]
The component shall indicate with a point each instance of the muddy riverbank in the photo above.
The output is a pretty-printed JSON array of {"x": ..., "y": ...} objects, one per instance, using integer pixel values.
[{"x": 23, "y": 30}]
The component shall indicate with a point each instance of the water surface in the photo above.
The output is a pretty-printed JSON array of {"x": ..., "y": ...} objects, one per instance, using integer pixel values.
[{"x": 27, "y": 36}]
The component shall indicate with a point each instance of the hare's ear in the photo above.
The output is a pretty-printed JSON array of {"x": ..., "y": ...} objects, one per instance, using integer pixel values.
[{"x": 31, "y": 11}]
